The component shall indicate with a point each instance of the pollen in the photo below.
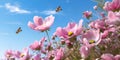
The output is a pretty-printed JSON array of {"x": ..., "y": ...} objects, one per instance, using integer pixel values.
[
  {"x": 91, "y": 41},
  {"x": 21, "y": 55},
  {"x": 70, "y": 33}
]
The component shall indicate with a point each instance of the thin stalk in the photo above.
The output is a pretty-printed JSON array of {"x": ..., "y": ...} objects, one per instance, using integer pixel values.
[{"x": 48, "y": 36}]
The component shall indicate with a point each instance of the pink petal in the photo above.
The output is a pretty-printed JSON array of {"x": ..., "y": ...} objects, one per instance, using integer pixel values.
[
  {"x": 37, "y": 57},
  {"x": 78, "y": 28},
  {"x": 107, "y": 57},
  {"x": 61, "y": 32},
  {"x": 31, "y": 25},
  {"x": 49, "y": 20},
  {"x": 111, "y": 15},
  {"x": 85, "y": 41},
  {"x": 41, "y": 28},
  {"x": 38, "y": 20},
  {"x": 84, "y": 51},
  {"x": 91, "y": 35},
  {"x": 80, "y": 23},
  {"x": 35, "y": 46},
  {"x": 42, "y": 40},
  {"x": 117, "y": 57},
  {"x": 70, "y": 26}
]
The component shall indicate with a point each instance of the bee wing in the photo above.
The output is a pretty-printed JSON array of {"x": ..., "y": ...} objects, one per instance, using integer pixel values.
[
  {"x": 57, "y": 10},
  {"x": 20, "y": 29}
]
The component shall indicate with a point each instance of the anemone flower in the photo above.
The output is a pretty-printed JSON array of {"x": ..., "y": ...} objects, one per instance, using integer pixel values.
[
  {"x": 87, "y": 14},
  {"x": 112, "y": 6},
  {"x": 91, "y": 38},
  {"x": 37, "y": 45},
  {"x": 40, "y": 24},
  {"x": 71, "y": 30},
  {"x": 25, "y": 55}
]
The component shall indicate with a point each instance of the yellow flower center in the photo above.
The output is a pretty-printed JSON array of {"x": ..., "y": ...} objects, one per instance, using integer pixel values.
[
  {"x": 70, "y": 33},
  {"x": 21, "y": 55},
  {"x": 91, "y": 41}
]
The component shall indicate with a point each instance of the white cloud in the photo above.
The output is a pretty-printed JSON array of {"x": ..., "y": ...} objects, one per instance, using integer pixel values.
[
  {"x": 49, "y": 12},
  {"x": 15, "y": 9}
]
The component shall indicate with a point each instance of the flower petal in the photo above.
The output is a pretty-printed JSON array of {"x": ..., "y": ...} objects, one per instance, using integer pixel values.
[
  {"x": 49, "y": 20},
  {"x": 38, "y": 20},
  {"x": 31, "y": 25}
]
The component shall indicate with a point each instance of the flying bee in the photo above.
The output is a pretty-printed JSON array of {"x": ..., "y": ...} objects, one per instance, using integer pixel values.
[
  {"x": 18, "y": 30},
  {"x": 58, "y": 9}
]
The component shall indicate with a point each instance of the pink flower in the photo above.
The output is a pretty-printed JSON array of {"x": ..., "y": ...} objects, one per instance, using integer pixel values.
[
  {"x": 71, "y": 30},
  {"x": 37, "y": 45},
  {"x": 17, "y": 54},
  {"x": 9, "y": 53},
  {"x": 87, "y": 14},
  {"x": 107, "y": 31},
  {"x": 59, "y": 54},
  {"x": 105, "y": 34},
  {"x": 117, "y": 57},
  {"x": 113, "y": 18},
  {"x": 107, "y": 57},
  {"x": 112, "y": 6},
  {"x": 69, "y": 33},
  {"x": 98, "y": 24},
  {"x": 91, "y": 38},
  {"x": 37, "y": 57},
  {"x": 50, "y": 55},
  {"x": 41, "y": 25},
  {"x": 56, "y": 54},
  {"x": 117, "y": 14},
  {"x": 84, "y": 51},
  {"x": 25, "y": 55}
]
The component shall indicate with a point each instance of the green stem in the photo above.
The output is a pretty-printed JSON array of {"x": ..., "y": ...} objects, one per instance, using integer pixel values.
[{"x": 48, "y": 36}]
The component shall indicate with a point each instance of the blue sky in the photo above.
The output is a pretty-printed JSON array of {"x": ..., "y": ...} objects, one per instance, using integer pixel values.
[{"x": 17, "y": 13}]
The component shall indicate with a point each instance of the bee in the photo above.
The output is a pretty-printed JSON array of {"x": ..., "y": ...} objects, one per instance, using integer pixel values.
[
  {"x": 18, "y": 30},
  {"x": 58, "y": 9}
]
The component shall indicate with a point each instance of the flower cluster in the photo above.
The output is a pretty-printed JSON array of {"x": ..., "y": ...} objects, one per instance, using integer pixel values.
[{"x": 98, "y": 41}]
